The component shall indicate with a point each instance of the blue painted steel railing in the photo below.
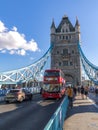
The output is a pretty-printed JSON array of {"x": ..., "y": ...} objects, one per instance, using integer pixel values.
[
  {"x": 3, "y": 92},
  {"x": 57, "y": 120}
]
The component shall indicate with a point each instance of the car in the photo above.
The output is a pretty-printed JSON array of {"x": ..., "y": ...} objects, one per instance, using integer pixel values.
[
  {"x": 28, "y": 94},
  {"x": 18, "y": 95}
]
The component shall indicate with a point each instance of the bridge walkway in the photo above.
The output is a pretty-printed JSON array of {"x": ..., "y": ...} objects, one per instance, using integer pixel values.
[{"x": 83, "y": 115}]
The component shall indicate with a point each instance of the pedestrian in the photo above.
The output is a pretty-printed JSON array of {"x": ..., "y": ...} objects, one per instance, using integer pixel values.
[
  {"x": 79, "y": 89},
  {"x": 41, "y": 90},
  {"x": 82, "y": 92},
  {"x": 75, "y": 90},
  {"x": 86, "y": 91},
  {"x": 70, "y": 96}
]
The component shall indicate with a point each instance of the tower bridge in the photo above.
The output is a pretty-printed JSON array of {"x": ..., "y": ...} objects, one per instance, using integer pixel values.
[{"x": 65, "y": 53}]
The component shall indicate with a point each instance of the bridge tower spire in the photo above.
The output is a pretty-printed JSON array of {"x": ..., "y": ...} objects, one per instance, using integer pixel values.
[
  {"x": 65, "y": 54},
  {"x": 77, "y": 29},
  {"x": 53, "y": 28}
]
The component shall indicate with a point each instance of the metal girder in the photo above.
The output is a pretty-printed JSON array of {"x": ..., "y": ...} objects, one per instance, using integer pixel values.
[
  {"x": 90, "y": 69},
  {"x": 25, "y": 74}
]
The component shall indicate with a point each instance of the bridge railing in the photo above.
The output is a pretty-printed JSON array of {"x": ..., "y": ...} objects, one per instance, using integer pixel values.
[
  {"x": 57, "y": 120},
  {"x": 2, "y": 92}
]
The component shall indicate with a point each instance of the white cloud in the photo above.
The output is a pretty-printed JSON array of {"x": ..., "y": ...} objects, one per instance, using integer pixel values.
[
  {"x": 3, "y": 51},
  {"x": 2, "y": 27},
  {"x": 21, "y": 52},
  {"x": 15, "y": 42},
  {"x": 12, "y": 52}
]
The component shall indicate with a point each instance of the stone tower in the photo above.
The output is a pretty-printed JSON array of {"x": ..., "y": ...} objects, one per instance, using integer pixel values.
[{"x": 65, "y": 54}]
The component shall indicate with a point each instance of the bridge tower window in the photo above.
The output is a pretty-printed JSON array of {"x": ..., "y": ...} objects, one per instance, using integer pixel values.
[
  {"x": 62, "y": 30},
  {"x": 65, "y": 51},
  {"x": 66, "y": 37},
  {"x": 60, "y": 64},
  {"x": 73, "y": 52},
  {"x": 71, "y": 63},
  {"x": 66, "y": 30},
  {"x": 57, "y": 52},
  {"x": 65, "y": 63},
  {"x": 60, "y": 37}
]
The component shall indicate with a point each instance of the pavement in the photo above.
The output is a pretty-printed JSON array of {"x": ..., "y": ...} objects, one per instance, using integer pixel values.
[{"x": 83, "y": 115}]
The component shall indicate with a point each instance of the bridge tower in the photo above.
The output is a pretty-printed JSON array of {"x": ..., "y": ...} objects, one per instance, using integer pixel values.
[{"x": 65, "y": 54}]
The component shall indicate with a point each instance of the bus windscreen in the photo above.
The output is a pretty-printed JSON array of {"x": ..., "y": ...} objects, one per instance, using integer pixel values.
[{"x": 50, "y": 73}]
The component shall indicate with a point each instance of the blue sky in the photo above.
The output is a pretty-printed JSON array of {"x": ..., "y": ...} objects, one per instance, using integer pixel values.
[{"x": 25, "y": 28}]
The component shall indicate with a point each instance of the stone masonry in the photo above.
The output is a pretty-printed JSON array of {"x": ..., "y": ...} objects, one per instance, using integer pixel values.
[{"x": 65, "y": 54}]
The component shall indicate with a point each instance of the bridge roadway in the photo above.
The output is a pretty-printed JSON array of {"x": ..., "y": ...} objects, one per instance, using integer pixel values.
[
  {"x": 83, "y": 115},
  {"x": 28, "y": 115}
]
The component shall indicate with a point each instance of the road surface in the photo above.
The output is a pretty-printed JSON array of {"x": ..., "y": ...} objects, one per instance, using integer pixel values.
[{"x": 28, "y": 115}]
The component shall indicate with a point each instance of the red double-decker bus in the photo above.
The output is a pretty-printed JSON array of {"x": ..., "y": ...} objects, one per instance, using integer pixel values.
[{"x": 53, "y": 84}]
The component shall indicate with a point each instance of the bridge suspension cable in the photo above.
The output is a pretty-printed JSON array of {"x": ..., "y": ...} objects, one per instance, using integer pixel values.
[
  {"x": 90, "y": 69},
  {"x": 31, "y": 72}
]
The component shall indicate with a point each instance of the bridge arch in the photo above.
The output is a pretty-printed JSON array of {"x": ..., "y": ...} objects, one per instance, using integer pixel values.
[{"x": 69, "y": 78}]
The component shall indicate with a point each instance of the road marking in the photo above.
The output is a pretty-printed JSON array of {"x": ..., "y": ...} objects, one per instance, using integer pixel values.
[
  {"x": 39, "y": 101},
  {"x": 2, "y": 110},
  {"x": 45, "y": 103}
]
